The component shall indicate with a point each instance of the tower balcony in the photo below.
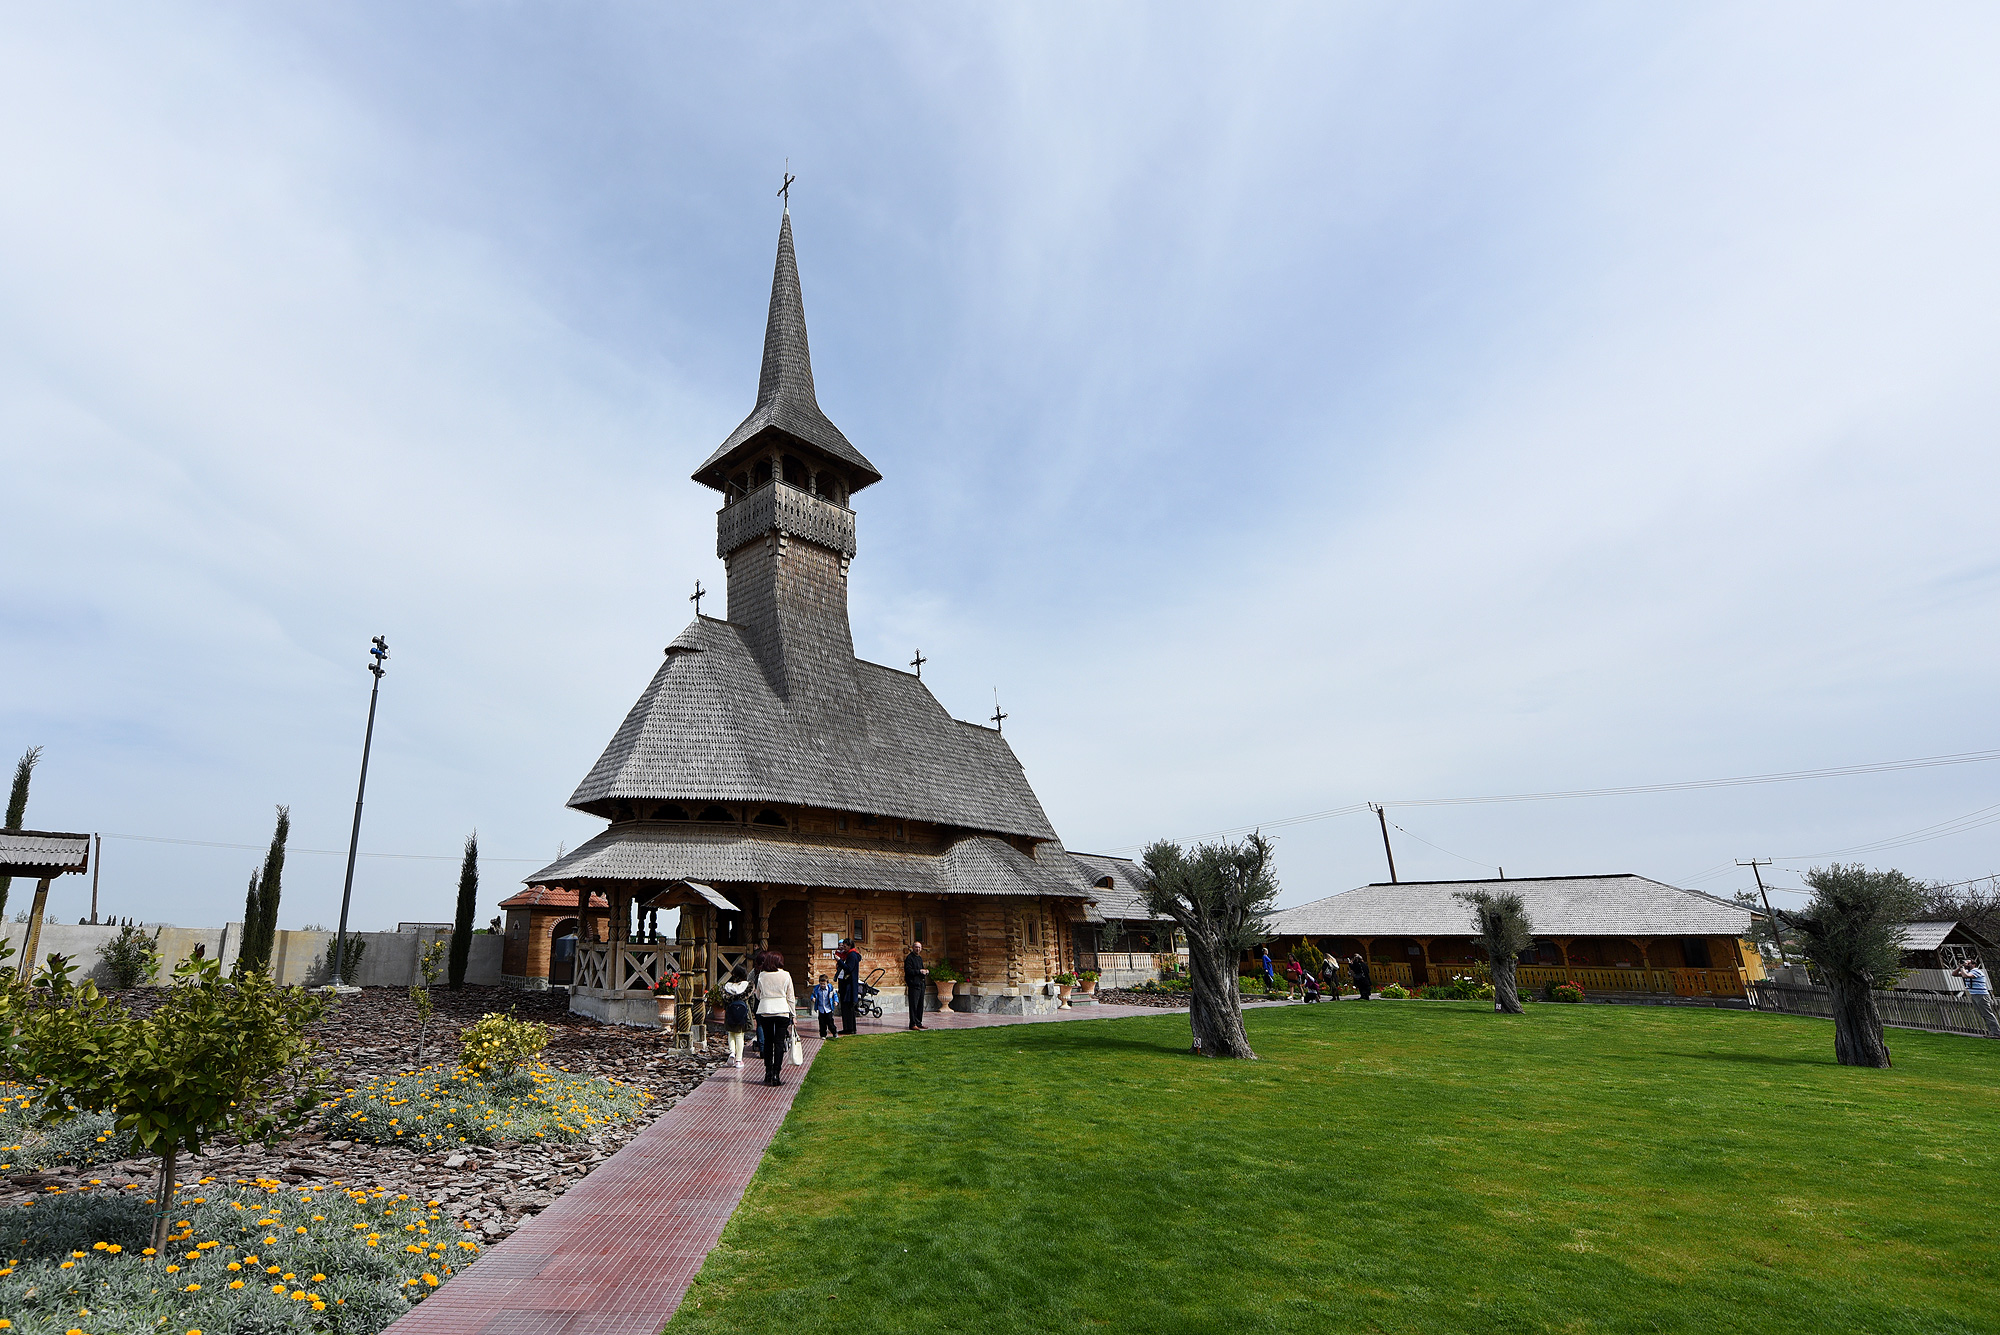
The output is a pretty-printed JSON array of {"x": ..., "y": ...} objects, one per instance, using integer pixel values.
[{"x": 788, "y": 510}]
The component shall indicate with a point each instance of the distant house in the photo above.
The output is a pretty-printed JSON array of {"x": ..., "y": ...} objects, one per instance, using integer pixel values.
[
  {"x": 1616, "y": 933},
  {"x": 542, "y": 928},
  {"x": 1931, "y": 950},
  {"x": 1123, "y": 941}
]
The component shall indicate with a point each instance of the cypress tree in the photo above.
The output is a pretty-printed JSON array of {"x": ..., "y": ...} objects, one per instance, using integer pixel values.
[
  {"x": 468, "y": 901},
  {"x": 246, "y": 949},
  {"x": 270, "y": 887},
  {"x": 17, "y": 807}
]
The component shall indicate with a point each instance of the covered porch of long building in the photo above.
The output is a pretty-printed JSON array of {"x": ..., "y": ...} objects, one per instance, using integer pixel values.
[{"x": 1667, "y": 965}]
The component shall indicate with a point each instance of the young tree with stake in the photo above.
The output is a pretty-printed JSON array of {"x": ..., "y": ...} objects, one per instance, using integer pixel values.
[
  {"x": 214, "y": 1058},
  {"x": 1852, "y": 931},
  {"x": 1220, "y": 895},
  {"x": 1500, "y": 923}
]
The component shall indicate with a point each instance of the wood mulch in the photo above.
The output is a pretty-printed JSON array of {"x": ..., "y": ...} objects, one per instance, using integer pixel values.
[{"x": 493, "y": 1188}]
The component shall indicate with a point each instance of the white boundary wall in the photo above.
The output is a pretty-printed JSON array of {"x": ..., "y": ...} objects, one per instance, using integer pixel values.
[{"x": 296, "y": 957}]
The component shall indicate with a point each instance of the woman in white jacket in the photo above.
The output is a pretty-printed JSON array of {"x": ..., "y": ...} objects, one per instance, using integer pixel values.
[
  {"x": 776, "y": 1002},
  {"x": 736, "y": 1007}
]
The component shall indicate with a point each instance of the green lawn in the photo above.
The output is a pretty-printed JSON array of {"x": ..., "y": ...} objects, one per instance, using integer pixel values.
[{"x": 1396, "y": 1166}]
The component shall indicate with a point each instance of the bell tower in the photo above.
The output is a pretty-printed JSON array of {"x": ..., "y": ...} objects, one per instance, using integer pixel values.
[{"x": 785, "y": 532}]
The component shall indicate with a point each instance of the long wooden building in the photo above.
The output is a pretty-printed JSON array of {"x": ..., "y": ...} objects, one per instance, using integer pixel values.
[
  {"x": 1612, "y": 933},
  {"x": 783, "y": 793}
]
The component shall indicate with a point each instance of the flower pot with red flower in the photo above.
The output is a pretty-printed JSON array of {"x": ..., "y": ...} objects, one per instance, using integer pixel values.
[{"x": 1064, "y": 982}]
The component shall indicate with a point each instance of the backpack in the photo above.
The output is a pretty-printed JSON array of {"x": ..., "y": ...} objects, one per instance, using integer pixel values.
[{"x": 736, "y": 1012}]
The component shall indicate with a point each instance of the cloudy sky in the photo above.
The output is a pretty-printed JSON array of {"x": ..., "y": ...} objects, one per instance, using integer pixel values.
[{"x": 1282, "y": 408}]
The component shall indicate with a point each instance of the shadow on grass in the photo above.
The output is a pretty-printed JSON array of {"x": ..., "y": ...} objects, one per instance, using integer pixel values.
[{"x": 1752, "y": 1058}]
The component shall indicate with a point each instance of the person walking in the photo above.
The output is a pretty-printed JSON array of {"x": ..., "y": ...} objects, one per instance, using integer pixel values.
[
  {"x": 1357, "y": 969},
  {"x": 1329, "y": 977},
  {"x": 1264, "y": 958},
  {"x": 823, "y": 998},
  {"x": 1294, "y": 977},
  {"x": 776, "y": 1003},
  {"x": 736, "y": 1001},
  {"x": 914, "y": 974},
  {"x": 1980, "y": 992},
  {"x": 847, "y": 981}
]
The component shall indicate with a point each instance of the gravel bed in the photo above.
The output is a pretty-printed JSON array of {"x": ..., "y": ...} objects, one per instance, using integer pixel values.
[
  {"x": 1125, "y": 996},
  {"x": 491, "y": 1188}
]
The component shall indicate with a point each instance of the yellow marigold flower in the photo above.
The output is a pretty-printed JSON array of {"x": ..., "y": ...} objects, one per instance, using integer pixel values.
[
  {"x": 113, "y": 1248},
  {"x": 235, "y": 1283},
  {"x": 431, "y": 1279},
  {"x": 277, "y": 1288},
  {"x": 68, "y": 1265},
  {"x": 99, "y": 1246},
  {"x": 172, "y": 1268},
  {"x": 78, "y": 1255},
  {"x": 319, "y": 1279},
  {"x": 234, "y": 1265},
  {"x": 298, "y": 1295},
  {"x": 193, "y": 1288},
  {"x": 147, "y": 1252}
]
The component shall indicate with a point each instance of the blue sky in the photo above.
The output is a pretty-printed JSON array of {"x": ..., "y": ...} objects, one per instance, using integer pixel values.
[{"x": 1282, "y": 407}]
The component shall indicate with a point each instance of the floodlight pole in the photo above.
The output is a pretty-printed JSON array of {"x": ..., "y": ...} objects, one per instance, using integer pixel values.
[{"x": 377, "y": 656}]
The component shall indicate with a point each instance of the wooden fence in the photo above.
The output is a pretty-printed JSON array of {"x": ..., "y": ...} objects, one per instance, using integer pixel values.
[{"x": 1903, "y": 1010}]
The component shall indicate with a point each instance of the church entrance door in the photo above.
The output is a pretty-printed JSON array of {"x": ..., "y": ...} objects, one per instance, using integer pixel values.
[{"x": 788, "y": 938}]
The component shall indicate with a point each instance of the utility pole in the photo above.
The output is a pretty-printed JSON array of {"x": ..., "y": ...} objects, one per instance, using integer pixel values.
[
  {"x": 1387, "y": 851},
  {"x": 377, "y": 656},
  {"x": 96, "y": 864},
  {"x": 1777, "y": 934}
]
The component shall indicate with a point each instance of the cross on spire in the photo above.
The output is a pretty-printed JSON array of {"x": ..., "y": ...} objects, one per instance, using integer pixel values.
[
  {"x": 786, "y": 189},
  {"x": 918, "y": 663},
  {"x": 997, "y": 715},
  {"x": 696, "y": 597}
]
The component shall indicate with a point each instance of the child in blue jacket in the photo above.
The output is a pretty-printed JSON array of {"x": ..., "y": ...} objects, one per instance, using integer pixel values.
[{"x": 824, "y": 999}]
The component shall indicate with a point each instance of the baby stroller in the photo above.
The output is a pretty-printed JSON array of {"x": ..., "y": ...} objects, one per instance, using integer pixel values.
[{"x": 865, "y": 1003}]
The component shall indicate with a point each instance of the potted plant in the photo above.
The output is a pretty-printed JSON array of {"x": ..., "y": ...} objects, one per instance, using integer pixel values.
[
  {"x": 945, "y": 977},
  {"x": 716, "y": 1014},
  {"x": 1064, "y": 981},
  {"x": 666, "y": 997},
  {"x": 1088, "y": 978}
]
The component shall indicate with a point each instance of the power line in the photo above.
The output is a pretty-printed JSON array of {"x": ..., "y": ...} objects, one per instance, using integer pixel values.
[
  {"x": 328, "y": 852},
  {"x": 1628, "y": 790}
]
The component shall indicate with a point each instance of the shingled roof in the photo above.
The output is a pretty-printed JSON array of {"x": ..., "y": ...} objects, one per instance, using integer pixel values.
[
  {"x": 1611, "y": 905},
  {"x": 717, "y": 854},
  {"x": 1125, "y": 894},
  {"x": 710, "y": 728},
  {"x": 786, "y": 400}
]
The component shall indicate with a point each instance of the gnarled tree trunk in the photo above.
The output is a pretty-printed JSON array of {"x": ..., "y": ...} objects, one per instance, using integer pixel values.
[
  {"x": 1215, "y": 1008},
  {"x": 1506, "y": 995},
  {"x": 1857, "y": 1025}
]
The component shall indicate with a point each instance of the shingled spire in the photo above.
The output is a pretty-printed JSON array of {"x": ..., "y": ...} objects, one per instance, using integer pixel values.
[{"x": 787, "y": 416}]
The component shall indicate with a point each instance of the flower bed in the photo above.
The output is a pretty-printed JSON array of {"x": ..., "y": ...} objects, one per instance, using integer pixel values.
[
  {"x": 442, "y": 1107},
  {"x": 247, "y": 1258}
]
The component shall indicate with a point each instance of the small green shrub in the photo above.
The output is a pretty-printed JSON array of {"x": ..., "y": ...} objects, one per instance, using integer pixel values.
[
  {"x": 246, "y": 1258},
  {"x": 1394, "y": 991},
  {"x": 1568, "y": 990},
  {"x": 496, "y": 1045},
  {"x": 357, "y": 946},
  {"x": 132, "y": 958},
  {"x": 1458, "y": 989},
  {"x": 436, "y": 1107}
]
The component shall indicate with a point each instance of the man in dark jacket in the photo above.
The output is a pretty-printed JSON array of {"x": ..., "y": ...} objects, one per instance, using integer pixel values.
[
  {"x": 1364, "y": 982},
  {"x": 914, "y": 974},
  {"x": 847, "y": 979}
]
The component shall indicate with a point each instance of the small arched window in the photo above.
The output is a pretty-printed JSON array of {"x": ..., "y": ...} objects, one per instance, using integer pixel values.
[
  {"x": 770, "y": 817},
  {"x": 717, "y": 814},
  {"x": 670, "y": 811}
]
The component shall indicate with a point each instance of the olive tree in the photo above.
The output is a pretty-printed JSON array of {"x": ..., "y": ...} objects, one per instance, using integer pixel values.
[
  {"x": 1852, "y": 931},
  {"x": 1220, "y": 896},
  {"x": 215, "y": 1058},
  {"x": 1500, "y": 923}
]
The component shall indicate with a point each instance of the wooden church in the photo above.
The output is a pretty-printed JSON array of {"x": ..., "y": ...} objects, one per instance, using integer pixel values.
[{"x": 784, "y": 794}]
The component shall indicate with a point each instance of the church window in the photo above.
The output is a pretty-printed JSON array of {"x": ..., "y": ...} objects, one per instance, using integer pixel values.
[
  {"x": 899, "y": 829},
  {"x": 795, "y": 472},
  {"x": 760, "y": 474},
  {"x": 843, "y": 822},
  {"x": 769, "y": 817},
  {"x": 921, "y": 927},
  {"x": 860, "y": 929},
  {"x": 716, "y": 814},
  {"x": 1034, "y": 932}
]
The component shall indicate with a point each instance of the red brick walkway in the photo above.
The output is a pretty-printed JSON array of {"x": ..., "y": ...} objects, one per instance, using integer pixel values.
[{"x": 614, "y": 1254}]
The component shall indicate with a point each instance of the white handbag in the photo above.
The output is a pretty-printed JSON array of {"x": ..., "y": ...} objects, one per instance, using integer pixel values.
[{"x": 795, "y": 1050}]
